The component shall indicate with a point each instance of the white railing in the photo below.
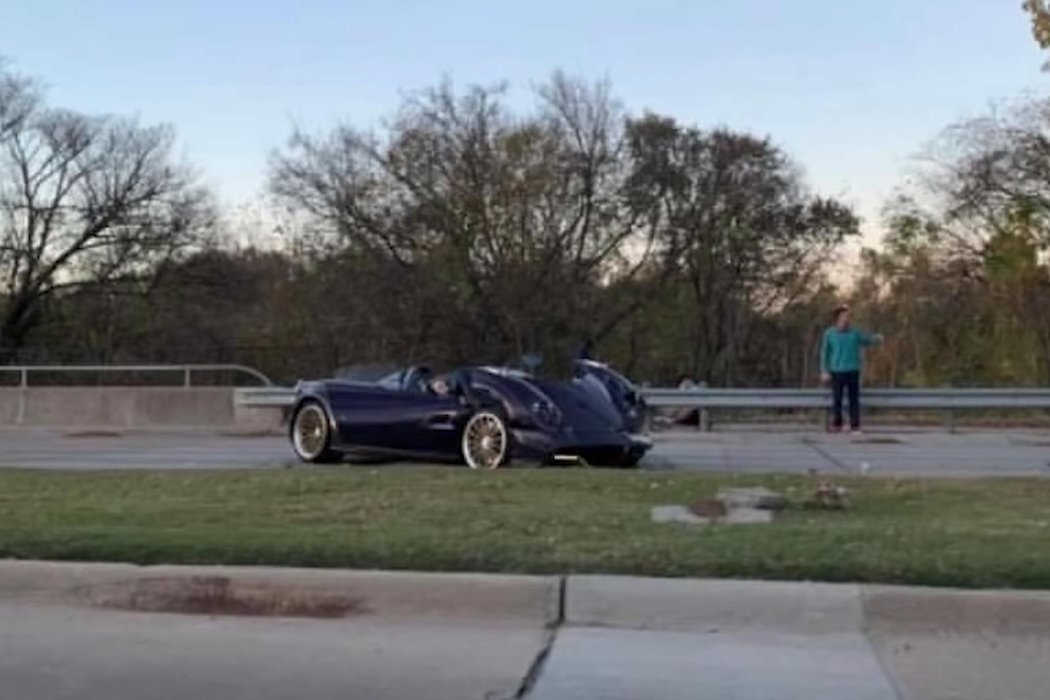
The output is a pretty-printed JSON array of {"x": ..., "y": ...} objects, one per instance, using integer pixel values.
[{"x": 184, "y": 372}]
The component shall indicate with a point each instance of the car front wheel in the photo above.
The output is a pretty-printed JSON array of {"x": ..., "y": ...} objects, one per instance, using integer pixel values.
[
  {"x": 486, "y": 441},
  {"x": 312, "y": 435}
]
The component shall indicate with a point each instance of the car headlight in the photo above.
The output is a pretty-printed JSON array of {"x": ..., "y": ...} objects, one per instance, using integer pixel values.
[{"x": 546, "y": 413}]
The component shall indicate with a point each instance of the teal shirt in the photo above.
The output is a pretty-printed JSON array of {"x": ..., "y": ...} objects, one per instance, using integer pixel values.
[{"x": 841, "y": 350}]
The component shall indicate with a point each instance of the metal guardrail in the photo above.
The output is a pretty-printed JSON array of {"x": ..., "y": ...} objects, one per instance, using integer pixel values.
[
  {"x": 932, "y": 399},
  {"x": 186, "y": 371},
  {"x": 267, "y": 397}
]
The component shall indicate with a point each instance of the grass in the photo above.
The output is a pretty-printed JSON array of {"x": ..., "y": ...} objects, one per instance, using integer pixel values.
[{"x": 969, "y": 533}]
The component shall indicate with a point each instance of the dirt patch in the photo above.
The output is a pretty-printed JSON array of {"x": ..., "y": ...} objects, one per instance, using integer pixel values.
[
  {"x": 709, "y": 508},
  {"x": 218, "y": 595}
]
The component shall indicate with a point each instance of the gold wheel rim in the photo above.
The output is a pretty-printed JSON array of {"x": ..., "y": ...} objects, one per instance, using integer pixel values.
[
  {"x": 311, "y": 432},
  {"x": 486, "y": 441}
]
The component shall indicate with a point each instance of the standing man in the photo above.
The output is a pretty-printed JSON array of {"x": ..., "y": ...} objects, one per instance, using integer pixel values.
[{"x": 841, "y": 363}]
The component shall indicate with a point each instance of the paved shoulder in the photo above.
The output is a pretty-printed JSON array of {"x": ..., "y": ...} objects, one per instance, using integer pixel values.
[{"x": 93, "y": 450}]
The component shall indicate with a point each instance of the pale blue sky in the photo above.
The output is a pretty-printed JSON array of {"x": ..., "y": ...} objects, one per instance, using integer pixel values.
[{"x": 851, "y": 89}]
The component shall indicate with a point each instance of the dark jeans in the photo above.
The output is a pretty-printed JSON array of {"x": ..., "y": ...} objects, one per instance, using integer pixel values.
[{"x": 845, "y": 383}]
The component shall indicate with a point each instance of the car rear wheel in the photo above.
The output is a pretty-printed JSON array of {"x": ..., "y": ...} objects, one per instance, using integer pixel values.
[
  {"x": 312, "y": 435},
  {"x": 486, "y": 441}
]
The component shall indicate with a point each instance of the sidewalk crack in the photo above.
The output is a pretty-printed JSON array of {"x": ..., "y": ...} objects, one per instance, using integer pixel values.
[{"x": 536, "y": 667}]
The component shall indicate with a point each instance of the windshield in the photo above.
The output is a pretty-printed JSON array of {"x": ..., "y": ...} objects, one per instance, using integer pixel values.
[{"x": 367, "y": 372}]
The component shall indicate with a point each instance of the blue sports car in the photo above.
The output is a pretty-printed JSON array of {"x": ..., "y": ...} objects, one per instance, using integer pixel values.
[{"x": 486, "y": 417}]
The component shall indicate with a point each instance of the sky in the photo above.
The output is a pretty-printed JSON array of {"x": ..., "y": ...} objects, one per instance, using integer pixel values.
[{"x": 851, "y": 90}]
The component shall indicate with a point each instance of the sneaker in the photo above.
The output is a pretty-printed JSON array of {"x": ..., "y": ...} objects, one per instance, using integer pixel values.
[{"x": 856, "y": 431}]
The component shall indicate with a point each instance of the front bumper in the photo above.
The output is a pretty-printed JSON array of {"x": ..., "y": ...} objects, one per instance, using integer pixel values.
[{"x": 601, "y": 449}]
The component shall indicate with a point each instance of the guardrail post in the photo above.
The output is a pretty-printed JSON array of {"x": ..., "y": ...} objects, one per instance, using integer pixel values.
[
  {"x": 23, "y": 396},
  {"x": 703, "y": 418},
  {"x": 187, "y": 377},
  {"x": 704, "y": 423}
]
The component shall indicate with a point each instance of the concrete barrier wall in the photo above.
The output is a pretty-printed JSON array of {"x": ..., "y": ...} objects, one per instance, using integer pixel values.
[
  {"x": 117, "y": 407},
  {"x": 9, "y": 403},
  {"x": 260, "y": 418}
]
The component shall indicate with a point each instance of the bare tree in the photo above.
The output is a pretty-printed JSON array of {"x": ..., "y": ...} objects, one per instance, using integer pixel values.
[
  {"x": 743, "y": 235},
  {"x": 519, "y": 218},
  {"x": 18, "y": 98},
  {"x": 82, "y": 200},
  {"x": 980, "y": 176},
  {"x": 961, "y": 281}
]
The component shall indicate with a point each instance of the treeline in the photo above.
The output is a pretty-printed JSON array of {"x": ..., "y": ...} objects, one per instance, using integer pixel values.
[
  {"x": 469, "y": 232},
  {"x": 961, "y": 286}
]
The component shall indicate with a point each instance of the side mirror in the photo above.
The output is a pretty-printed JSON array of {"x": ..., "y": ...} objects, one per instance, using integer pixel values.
[{"x": 531, "y": 362}]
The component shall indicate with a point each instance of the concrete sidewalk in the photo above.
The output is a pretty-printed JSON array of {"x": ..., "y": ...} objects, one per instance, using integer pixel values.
[
  {"x": 120, "y": 631},
  {"x": 645, "y": 638}
]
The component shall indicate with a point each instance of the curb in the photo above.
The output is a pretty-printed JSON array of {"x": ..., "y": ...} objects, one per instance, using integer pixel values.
[
  {"x": 708, "y": 605},
  {"x": 679, "y": 605},
  {"x": 915, "y": 610},
  {"x": 807, "y": 608}
]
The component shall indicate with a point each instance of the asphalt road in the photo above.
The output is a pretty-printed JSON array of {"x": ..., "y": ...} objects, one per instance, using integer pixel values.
[{"x": 914, "y": 453}]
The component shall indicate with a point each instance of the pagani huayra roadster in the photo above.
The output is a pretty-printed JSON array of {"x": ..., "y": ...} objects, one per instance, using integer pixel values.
[{"x": 486, "y": 417}]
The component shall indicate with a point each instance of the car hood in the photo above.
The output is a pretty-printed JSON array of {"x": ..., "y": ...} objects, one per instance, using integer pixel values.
[{"x": 581, "y": 406}]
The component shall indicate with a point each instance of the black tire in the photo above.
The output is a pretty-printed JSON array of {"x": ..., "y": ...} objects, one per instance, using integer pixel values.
[
  {"x": 486, "y": 441},
  {"x": 311, "y": 434}
]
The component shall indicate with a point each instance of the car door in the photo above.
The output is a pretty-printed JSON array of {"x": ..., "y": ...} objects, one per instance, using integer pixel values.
[
  {"x": 398, "y": 417},
  {"x": 363, "y": 413},
  {"x": 422, "y": 423}
]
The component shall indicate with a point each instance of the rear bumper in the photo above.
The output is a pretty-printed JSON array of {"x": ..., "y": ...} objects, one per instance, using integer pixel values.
[{"x": 605, "y": 449}]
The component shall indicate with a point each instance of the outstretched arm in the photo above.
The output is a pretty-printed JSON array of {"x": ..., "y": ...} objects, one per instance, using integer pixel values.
[{"x": 868, "y": 339}]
